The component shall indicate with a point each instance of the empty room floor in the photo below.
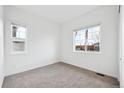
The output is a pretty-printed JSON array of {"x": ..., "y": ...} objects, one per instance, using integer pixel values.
[{"x": 59, "y": 75}]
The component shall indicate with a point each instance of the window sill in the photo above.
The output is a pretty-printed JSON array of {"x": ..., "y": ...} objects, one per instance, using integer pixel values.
[
  {"x": 86, "y": 52},
  {"x": 24, "y": 52}
]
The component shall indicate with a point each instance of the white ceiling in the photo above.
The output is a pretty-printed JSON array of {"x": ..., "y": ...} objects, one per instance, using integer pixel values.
[{"x": 58, "y": 13}]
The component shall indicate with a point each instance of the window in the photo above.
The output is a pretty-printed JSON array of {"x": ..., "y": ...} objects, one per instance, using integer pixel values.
[
  {"x": 18, "y": 38},
  {"x": 87, "y": 39}
]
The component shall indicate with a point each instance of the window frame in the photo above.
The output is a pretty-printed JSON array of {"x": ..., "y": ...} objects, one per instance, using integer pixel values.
[
  {"x": 12, "y": 38},
  {"x": 91, "y": 52}
]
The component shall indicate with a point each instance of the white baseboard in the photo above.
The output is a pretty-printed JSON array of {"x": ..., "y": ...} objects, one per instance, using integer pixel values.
[
  {"x": 1, "y": 81},
  {"x": 87, "y": 68},
  {"x": 17, "y": 72}
]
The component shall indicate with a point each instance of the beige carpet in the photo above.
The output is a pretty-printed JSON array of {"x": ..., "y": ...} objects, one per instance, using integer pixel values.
[{"x": 59, "y": 75}]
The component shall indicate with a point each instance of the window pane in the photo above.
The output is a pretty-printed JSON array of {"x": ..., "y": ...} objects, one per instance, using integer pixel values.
[
  {"x": 80, "y": 40},
  {"x": 21, "y": 32},
  {"x": 87, "y": 39},
  {"x": 18, "y": 38},
  {"x": 18, "y": 32},
  {"x": 93, "y": 40}
]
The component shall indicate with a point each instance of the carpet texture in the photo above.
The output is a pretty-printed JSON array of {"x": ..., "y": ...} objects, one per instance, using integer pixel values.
[{"x": 59, "y": 75}]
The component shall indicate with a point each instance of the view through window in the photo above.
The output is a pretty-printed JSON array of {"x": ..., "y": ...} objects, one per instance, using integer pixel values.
[
  {"x": 18, "y": 38},
  {"x": 87, "y": 39}
]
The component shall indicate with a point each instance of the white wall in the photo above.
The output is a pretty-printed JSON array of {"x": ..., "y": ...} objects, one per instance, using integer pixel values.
[
  {"x": 42, "y": 41},
  {"x": 106, "y": 61},
  {"x": 1, "y": 47}
]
